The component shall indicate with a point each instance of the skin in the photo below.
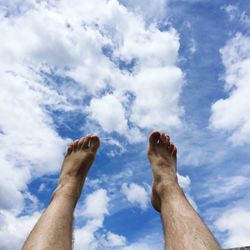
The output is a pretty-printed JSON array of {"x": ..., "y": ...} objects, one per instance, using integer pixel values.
[
  {"x": 54, "y": 228},
  {"x": 183, "y": 227}
]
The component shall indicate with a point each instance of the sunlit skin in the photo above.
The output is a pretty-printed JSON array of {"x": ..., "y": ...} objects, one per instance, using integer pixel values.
[
  {"x": 183, "y": 228},
  {"x": 54, "y": 228}
]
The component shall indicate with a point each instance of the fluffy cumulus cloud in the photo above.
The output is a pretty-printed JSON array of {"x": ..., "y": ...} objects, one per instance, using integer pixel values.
[
  {"x": 93, "y": 211},
  {"x": 126, "y": 64},
  {"x": 14, "y": 230},
  {"x": 30, "y": 145},
  {"x": 231, "y": 114},
  {"x": 110, "y": 113},
  {"x": 136, "y": 194},
  {"x": 105, "y": 59},
  {"x": 234, "y": 222},
  {"x": 92, "y": 235},
  {"x": 96, "y": 204}
]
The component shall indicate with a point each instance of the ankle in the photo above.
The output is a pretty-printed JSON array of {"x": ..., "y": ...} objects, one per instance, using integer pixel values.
[
  {"x": 167, "y": 190},
  {"x": 70, "y": 191}
]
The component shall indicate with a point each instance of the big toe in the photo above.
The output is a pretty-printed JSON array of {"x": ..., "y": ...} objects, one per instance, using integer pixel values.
[
  {"x": 94, "y": 143},
  {"x": 153, "y": 138}
]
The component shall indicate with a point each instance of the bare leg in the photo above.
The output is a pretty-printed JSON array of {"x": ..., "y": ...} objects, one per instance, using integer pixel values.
[
  {"x": 54, "y": 228},
  {"x": 183, "y": 227}
]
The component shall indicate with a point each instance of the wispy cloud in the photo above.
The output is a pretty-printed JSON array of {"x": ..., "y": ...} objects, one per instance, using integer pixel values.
[
  {"x": 233, "y": 222},
  {"x": 231, "y": 114}
]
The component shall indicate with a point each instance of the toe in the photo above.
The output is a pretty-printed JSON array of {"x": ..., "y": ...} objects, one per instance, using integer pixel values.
[
  {"x": 163, "y": 138},
  {"x": 174, "y": 152},
  {"x": 171, "y": 147},
  {"x": 167, "y": 140},
  {"x": 80, "y": 143},
  {"x": 154, "y": 137},
  {"x": 85, "y": 144},
  {"x": 75, "y": 145},
  {"x": 70, "y": 149},
  {"x": 94, "y": 143}
]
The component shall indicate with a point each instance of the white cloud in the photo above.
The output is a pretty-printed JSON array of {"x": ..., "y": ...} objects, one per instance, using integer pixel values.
[
  {"x": 190, "y": 1},
  {"x": 115, "y": 240},
  {"x": 231, "y": 114},
  {"x": 156, "y": 81},
  {"x": 57, "y": 39},
  {"x": 193, "y": 46},
  {"x": 116, "y": 146},
  {"x": 30, "y": 146},
  {"x": 185, "y": 183},
  {"x": 92, "y": 235},
  {"x": 110, "y": 113},
  {"x": 42, "y": 187},
  {"x": 149, "y": 241},
  {"x": 157, "y": 90},
  {"x": 66, "y": 39},
  {"x": 245, "y": 19},
  {"x": 95, "y": 205},
  {"x": 223, "y": 187},
  {"x": 231, "y": 10},
  {"x": 94, "y": 209},
  {"x": 135, "y": 194},
  {"x": 235, "y": 14},
  {"x": 84, "y": 237},
  {"x": 73, "y": 35},
  {"x": 151, "y": 11},
  {"x": 154, "y": 52},
  {"x": 140, "y": 246},
  {"x": 15, "y": 229},
  {"x": 234, "y": 222}
]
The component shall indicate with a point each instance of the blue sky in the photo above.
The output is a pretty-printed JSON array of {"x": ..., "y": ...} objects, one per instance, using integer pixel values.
[{"x": 121, "y": 69}]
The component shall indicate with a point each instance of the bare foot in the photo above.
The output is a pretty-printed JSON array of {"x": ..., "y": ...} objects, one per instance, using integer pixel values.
[
  {"x": 162, "y": 156},
  {"x": 77, "y": 162}
]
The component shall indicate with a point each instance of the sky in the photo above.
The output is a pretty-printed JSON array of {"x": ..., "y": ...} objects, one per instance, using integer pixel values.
[{"x": 121, "y": 69}]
